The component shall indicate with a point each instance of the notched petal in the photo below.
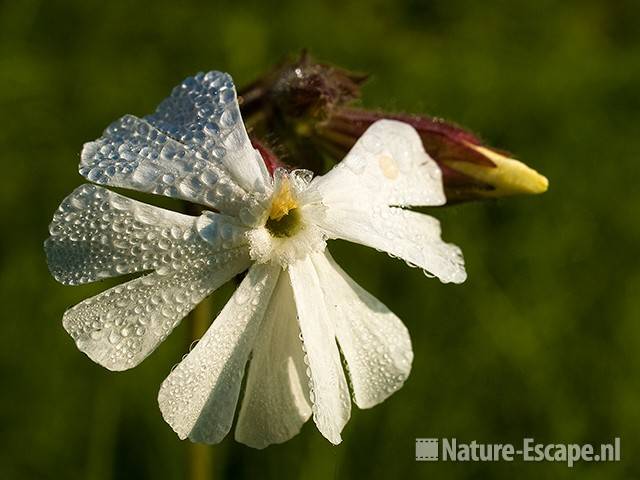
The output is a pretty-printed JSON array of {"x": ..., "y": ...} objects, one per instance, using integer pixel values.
[
  {"x": 375, "y": 343},
  {"x": 276, "y": 397},
  {"x": 194, "y": 147},
  {"x": 329, "y": 392},
  {"x": 199, "y": 397},
  {"x": 412, "y": 236},
  {"x": 120, "y": 327},
  {"x": 97, "y": 234}
]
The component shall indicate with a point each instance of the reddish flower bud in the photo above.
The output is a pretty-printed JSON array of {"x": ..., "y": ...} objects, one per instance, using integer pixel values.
[
  {"x": 304, "y": 105},
  {"x": 300, "y": 89}
]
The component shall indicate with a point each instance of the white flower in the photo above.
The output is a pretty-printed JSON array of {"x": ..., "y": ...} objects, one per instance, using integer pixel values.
[{"x": 294, "y": 307}]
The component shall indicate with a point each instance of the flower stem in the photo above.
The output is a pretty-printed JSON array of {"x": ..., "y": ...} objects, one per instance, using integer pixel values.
[{"x": 200, "y": 456}]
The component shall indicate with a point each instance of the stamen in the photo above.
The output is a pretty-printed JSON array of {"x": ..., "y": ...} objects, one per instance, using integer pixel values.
[{"x": 283, "y": 201}]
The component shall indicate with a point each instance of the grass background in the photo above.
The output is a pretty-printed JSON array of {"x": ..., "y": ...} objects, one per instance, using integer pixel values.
[{"x": 543, "y": 340}]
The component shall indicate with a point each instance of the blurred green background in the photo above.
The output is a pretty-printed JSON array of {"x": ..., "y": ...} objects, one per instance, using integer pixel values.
[{"x": 543, "y": 340}]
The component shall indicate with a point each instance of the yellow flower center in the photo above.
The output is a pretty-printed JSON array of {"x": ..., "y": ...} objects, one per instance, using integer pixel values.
[
  {"x": 284, "y": 217},
  {"x": 283, "y": 201}
]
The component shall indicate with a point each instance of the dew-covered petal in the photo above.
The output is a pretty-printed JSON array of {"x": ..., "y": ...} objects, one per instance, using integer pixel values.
[
  {"x": 375, "y": 343},
  {"x": 199, "y": 397},
  {"x": 412, "y": 236},
  {"x": 329, "y": 392},
  {"x": 120, "y": 327},
  {"x": 134, "y": 154},
  {"x": 203, "y": 112},
  {"x": 194, "y": 147},
  {"x": 390, "y": 165},
  {"x": 275, "y": 404},
  {"x": 97, "y": 233}
]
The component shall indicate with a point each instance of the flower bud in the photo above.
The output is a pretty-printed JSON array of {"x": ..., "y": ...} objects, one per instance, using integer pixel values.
[
  {"x": 299, "y": 91},
  {"x": 304, "y": 106}
]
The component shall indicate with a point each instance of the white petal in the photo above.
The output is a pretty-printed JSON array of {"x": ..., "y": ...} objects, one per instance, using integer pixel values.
[
  {"x": 375, "y": 343},
  {"x": 97, "y": 234},
  {"x": 194, "y": 147},
  {"x": 134, "y": 154},
  {"x": 275, "y": 403},
  {"x": 412, "y": 236},
  {"x": 329, "y": 390},
  {"x": 388, "y": 166},
  {"x": 204, "y": 109},
  {"x": 199, "y": 397},
  {"x": 389, "y": 162},
  {"x": 119, "y": 327}
]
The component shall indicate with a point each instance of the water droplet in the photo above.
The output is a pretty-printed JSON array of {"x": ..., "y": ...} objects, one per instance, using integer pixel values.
[{"x": 114, "y": 337}]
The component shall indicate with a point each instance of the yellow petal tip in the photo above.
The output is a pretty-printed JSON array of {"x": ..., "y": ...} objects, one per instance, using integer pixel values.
[{"x": 508, "y": 177}]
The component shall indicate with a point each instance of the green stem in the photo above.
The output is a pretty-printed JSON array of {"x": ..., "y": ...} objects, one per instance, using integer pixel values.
[{"x": 200, "y": 456}]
